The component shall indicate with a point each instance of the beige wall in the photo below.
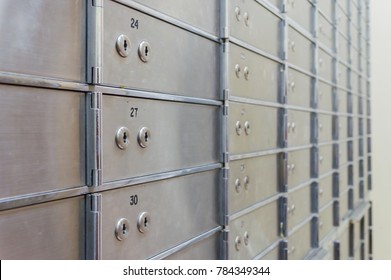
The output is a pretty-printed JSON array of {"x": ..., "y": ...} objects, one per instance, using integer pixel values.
[{"x": 381, "y": 125}]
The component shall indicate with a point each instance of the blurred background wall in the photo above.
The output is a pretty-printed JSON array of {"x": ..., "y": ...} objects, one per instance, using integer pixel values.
[{"x": 381, "y": 125}]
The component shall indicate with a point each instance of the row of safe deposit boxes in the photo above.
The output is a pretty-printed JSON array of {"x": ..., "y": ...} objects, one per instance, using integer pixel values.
[{"x": 209, "y": 129}]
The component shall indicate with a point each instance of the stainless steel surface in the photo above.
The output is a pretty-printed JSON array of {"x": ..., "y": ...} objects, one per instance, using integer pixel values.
[
  {"x": 206, "y": 249},
  {"x": 325, "y": 190},
  {"x": 299, "y": 89},
  {"x": 262, "y": 178},
  {"x": 35, "y": 49},
  {"x": 274, "y": 254},
  {"x": 300, "y": 49},
  {"x": 299, "y": 129},
  {"x": 201, "y": 14},
  {"x": 167, "y": 70},
  {"x": 262, "y": 29},
  {"x": 181, "y": 209},
  {"x": 325, "y": 29},
  {"x": 175, "y": 143},
  {"x": 261, "y": 137},
  {"x": 343, "y": 178},
  {"x": 301, "y": 11},
  {"x": 325, "y": 97},
  {"x": 325, "y": 65},
  {"x": 343, "y": 74},
  {"x": 343, "y": 153},
  {"x": 41, "y": 143},
  {"x": 327, "y": 7},
  {"x": 326, "y": 223},
  {"x": 299, "y": 206},
  {"x": 263, "y": 78},
  {"x": 299, "y": 242},
  {"x": 325, "y": 159},
  {"x": 262, "y": 233},
  {"x": 343, "y": 48},
  {"x": 325, "y": 128},
  {"x": 53, "y": 230},
  {"x": 299, "y": 167},
  {"x": 342, "y": 99},
  {"x": 344, "y": 245}
]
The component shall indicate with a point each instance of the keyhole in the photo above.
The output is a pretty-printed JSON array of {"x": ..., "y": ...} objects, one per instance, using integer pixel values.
[
  {"x": 146, "y": 136},
  {"x": 146, "y": 50},
  {"x": 125, "y": 137},
  {"x": 125, "y": 45},
  {"x": 145, "y": 222},
  {"x": 124, "y": 229}
]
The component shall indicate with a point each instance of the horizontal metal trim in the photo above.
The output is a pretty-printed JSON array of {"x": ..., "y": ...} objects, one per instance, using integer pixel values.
[
  {"x": 43, "y": 197},
  {"x": 186, "y": 244},
  {"x": 254, "y": 207},
  {"x": 156, "y": 96},
  {"x": 299, "y": 108},
  {"x": 329, "y": 143},
  {"x": 317, "y": 254},
  {"x": 274, "y": 10},
  {"x": 237, "y": 99},
  {"x": 41, "y": 82},
  {"x": 168, "y": 19},
  {"x": 327, "y": 205},
  {"x": 327, "y": 174},
  {"x": 255, "y": 49},
  {"x": 300, "y": 186},
  {"x": 343, "y": 192},
  {"x": 330, "y": 21},
  {"x": 331, "y": 52},
  {"x": 301, "y": 70},
  {"x": 330, "y": 83},
  {"x": 255, "y": 154},
  {"x": 155, "y": 177},
  {"x": 330, "y": 236},
  {"x": 360, "y": 211},
  {"x": 298, "y": 148},
  {"x": 267, "y": 250},
  {"x": 292, "y": 23},
  {"x": 325, "y": 112},
  {"x": 300, "y": 225}
]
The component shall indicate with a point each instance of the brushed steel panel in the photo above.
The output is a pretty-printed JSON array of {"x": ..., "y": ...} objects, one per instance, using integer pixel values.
[
  {"x": 325, "y": 65},
  {"x": 343, "y": 179},
  {"x": 206, "y": 249},
  {"x": 325, "y": 29},
  {"x": 299, "y": 206},
  {"x": 356, "y": 239},
  {"x": 343, "y": 74},
  {"x": 53, "y": 230},
  {"x": 343, "y": 153},
  {"x": 29, "y": 46},
  {"x": 326, "y": 222},
  {"x": 299, "y": 167},
  {"x": 41, "y": 143},
  {"x": 277, "y": 3},
  {"x": 261, "y": 173},
  {"x": 325, "y": 97},
  {"x": 167, "y": 70},
  {"x": 344, "y": 205},
  {"x": 354, "y": 13},
  {"x": 355, "y": 57},
  {"x": 299, "y": 243},
  {"x": 300, "y": 50},
  {"x": 325, "y": 126},
  {"x": 174, "y": 144},
  {"x": 299, "y": 89},
  {"x": 272, "y": 255},
  {"x": 262, "y": 82},
  {"x": 344, "y": 6},
  {"x": 342, "y": 21},
  {"x": 299, "y": 128},
  {"x": 325, "y": 190},
  {"x": 262, "y": 228},
  {"x": 261, "y": 119},
  {"x": 327, "y": 8},
  {"x": 342, "y": 100},
  {"x": 180, "y": 209},
  {"x": 343, "y": 127},
  {"x": 302, "y": 12},
  {"x": 343, "y": 48},
  {"x": 203, "y": 14},
  {"x": 344, "y": 245},
  {"x": 261, "y": 30},
  {"x": 356, "y": 37},
  {"x": 325, "y": 159}
]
